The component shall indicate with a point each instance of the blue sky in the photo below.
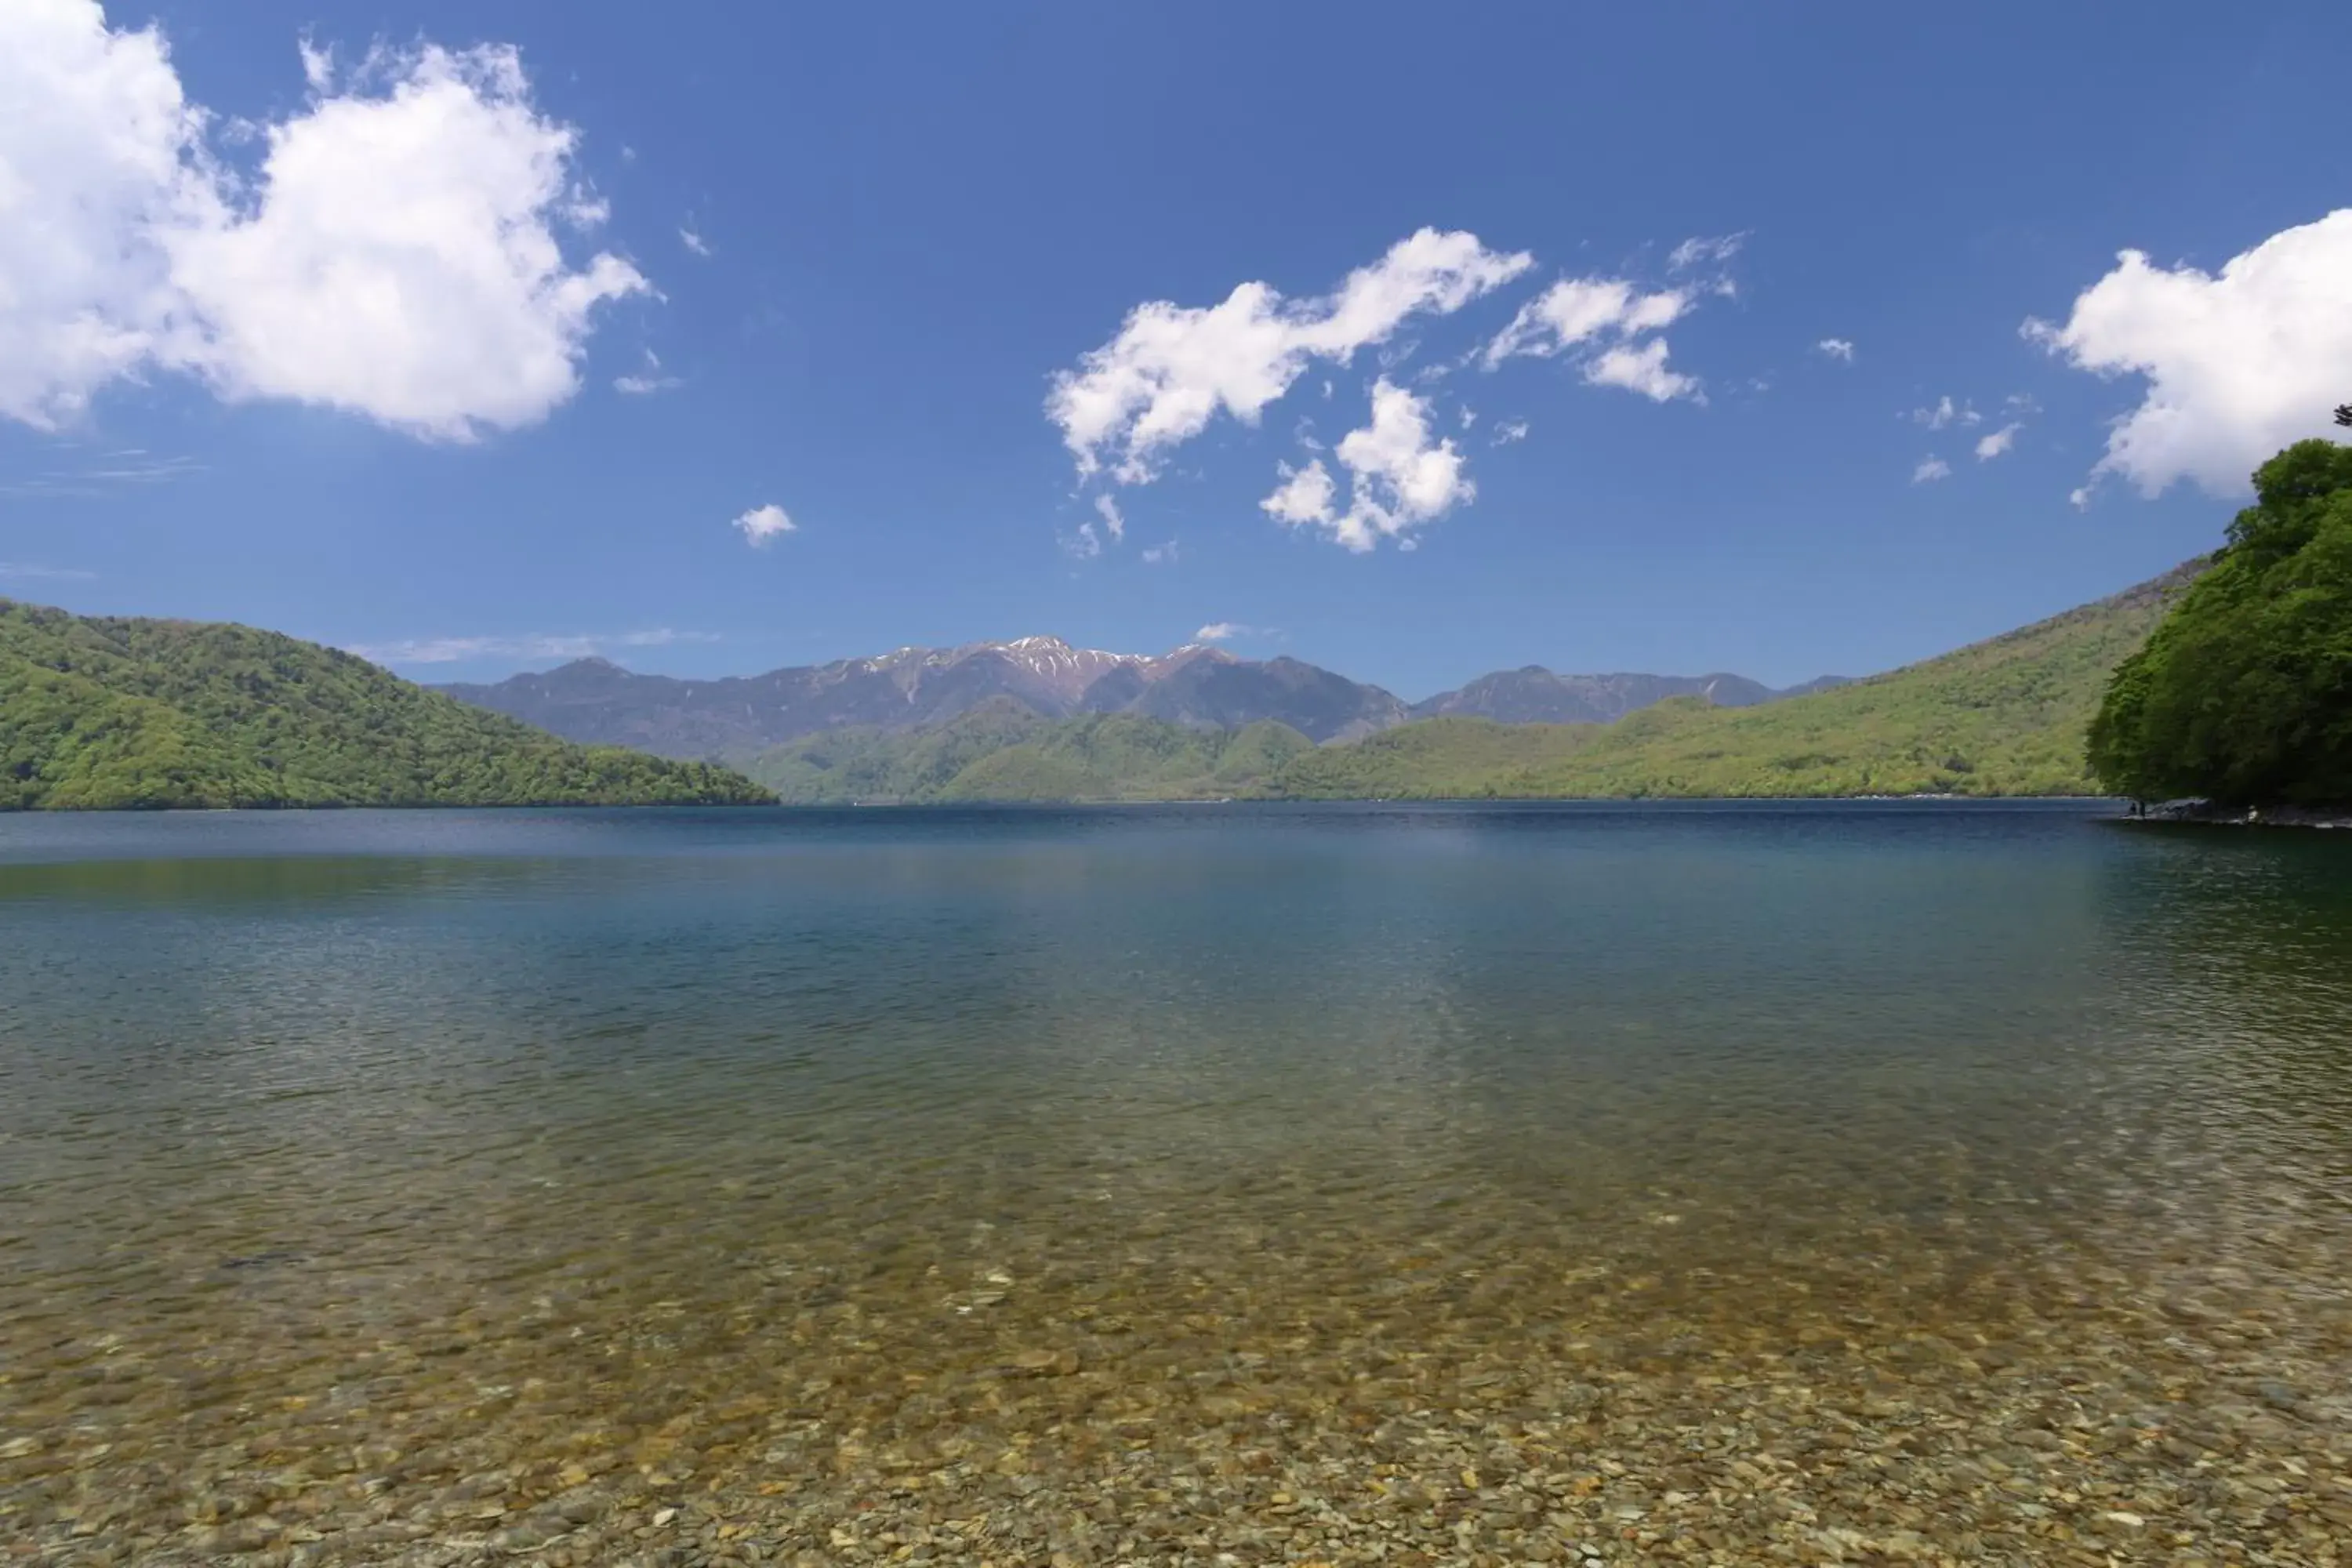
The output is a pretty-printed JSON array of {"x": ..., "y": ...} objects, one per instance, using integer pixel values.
[{"x": 335, "y": 389}]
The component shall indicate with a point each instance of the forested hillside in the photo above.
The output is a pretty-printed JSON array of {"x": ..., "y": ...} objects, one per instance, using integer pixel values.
[{"x": 102, "y": 713}]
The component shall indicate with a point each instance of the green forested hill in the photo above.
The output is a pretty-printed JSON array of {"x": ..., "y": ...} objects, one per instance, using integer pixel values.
[
  {"x": 1001, "y": 751},
  {"x": 100, "y": 713},
  {"x": 2003, "y": 717}
]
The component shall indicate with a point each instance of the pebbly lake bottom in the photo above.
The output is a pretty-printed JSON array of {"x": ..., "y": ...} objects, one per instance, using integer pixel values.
[{"x": 1446, "y": 1184}]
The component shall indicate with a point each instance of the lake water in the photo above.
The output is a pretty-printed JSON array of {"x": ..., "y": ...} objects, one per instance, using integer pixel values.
[{"x": 1215, "y": 1184}]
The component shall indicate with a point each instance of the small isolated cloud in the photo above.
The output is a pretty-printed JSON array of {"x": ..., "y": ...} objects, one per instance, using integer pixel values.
[
  {"x": 1108, "y": 508},
  {"x": 524, "y": 645},
  {"x": 647, "y": 380},
  {"x": 1225, "y": 631},
  {"x": 1838, "y": 348},
  {"x": 1640, "y": 368},
  {"x": 1509, "y": 431},
  {"x": 1945, "y": 414},
  {"x": 693, "y": 241},
  {"x": 1160, "y": 554},
  {"x": 2235, "y": 364},
  {"x": 1929, "y": 470},
  {"x": 27, "y": 571},
  {"x": 1999, "y": 442},
  {"x": 763, "y": 525},
  {"x": 1085, "y": 545},
  {"x": 1173, "y": 368},
  {"x": 1576, "y": 316},
  {"x": 398, "y": 252},
  {"x": 1398, "y": 477}
]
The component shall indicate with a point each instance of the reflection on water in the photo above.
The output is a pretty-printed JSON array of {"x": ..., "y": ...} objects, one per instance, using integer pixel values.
[{"x": 1816, "y": 1184}]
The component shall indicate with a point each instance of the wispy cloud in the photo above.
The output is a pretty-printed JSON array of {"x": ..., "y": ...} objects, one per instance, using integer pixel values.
[
  {"x": 1929, "y": 470},
  {"x": 103, "y": 475},
  {"x": 525, "y": 646},
  {"x": 1700, "y": 250},
  {"x": 1947, "y": 413},
  {"x": 1509, "y": 431},
  {"x": 1160, "y": 554},
  {"x": 693, "y": 241},
  {"x": 1108, "y": 510},
  {"x": 1838, "y": 348},
  {"x": 1226, "y": 631},
  {"x": 650, "y": 379},
  {"x": 31, "y": 572}
]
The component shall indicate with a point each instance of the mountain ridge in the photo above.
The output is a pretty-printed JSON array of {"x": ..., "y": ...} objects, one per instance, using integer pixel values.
[{"x": 597, "y": 701}]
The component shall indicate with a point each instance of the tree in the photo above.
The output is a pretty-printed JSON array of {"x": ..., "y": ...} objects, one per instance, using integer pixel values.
[
  {"x": 2244, "y": 693},
  {"x": 2344, "y": 414}
]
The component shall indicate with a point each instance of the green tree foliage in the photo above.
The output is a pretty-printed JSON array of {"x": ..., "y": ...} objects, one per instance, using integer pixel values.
[
  {"x": 103, "y": 713},
  {"x": 2243, "y": 695}
]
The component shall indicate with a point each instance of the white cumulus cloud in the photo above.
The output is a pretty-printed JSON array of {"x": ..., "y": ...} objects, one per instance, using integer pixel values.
[
  {"x": 1839, "y": 349},
  {"x": 765, "y": 524},
  {"x": 1640, "y": 368},
  {"x": 1172, "y": 368},
  {"x": 1998, "y": 441},
  {"x": 2237, "y": 363},
  {"x": 1929, "y": 470},
  {"x": 1577, "y": 315},
  {"x": 1398, "y": 477},
  {"x": 1304, "y": 496},
  {"x": 396, "y": 251},
  {"x": 1223, "y": 631}
]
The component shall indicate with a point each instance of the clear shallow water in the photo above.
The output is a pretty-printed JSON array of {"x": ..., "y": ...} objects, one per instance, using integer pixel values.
[{"x": 1819, "y": 1183}]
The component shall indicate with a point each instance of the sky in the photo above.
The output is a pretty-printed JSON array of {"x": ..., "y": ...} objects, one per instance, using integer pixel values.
[{"x": 1412, "y": 342}]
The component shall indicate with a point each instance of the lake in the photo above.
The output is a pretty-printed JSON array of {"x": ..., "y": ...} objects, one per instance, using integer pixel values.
[{"x": 1208, "y": 1184}]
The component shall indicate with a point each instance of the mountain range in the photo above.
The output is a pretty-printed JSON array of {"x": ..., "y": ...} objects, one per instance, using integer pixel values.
[
  {"x": 2003, "y": 717},
  {"x": 594, "y": 702}
]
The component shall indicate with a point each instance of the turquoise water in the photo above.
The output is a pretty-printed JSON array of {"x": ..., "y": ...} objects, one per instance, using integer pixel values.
[{"x": 1017, "y": 1183}]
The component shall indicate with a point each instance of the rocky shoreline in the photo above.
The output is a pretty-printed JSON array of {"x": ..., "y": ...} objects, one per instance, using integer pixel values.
[{"x": 2207, "y": 813}]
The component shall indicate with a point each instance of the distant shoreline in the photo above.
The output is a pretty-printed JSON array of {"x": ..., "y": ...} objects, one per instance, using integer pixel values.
[
  {"x": 2204, "y": 813},
  {"x": 441, "y": 808}
]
